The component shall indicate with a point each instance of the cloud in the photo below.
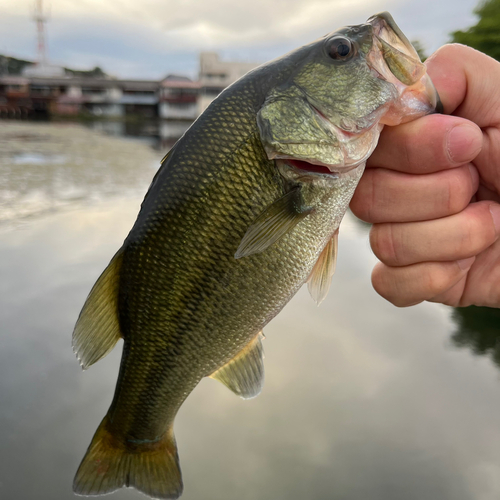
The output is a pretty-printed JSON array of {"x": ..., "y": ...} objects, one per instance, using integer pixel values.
[{"x": 150, "y": 38}]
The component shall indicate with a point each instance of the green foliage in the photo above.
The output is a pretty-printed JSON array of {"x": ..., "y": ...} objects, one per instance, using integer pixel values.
[
  {"x": 479, "y": 330},
  {"x": 12, "y": 66},
  {"x": 485, "y": 35},
  {"x": 420, "y": 49},
  {"x": 97, "y": 72}
]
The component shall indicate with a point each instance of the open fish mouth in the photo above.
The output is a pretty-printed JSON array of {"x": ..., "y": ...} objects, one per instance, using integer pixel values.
[
  {"x": 393, "y": 59},
  {"x": 314, "y": 134},
  {"x": 311, "y": 168},
  {"x": 303, "y": 168},
  {"x": 354, "y": 148}
]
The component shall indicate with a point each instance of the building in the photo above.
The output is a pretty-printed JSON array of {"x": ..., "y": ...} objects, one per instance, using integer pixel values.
[
  {"x": 215, "y": 75},
  {"x": 48, "y": 89},
  {"x": 178, "y": 98},
  {"x": 100, "y": 97}
]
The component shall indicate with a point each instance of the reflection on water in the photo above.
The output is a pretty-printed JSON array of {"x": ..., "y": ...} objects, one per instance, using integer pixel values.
[
  {"x": 45, "y": 167},
  {"x": 362, "y": 400},
  {"x": 160, "y": 134},
  {"x": 478, "y": 329}
]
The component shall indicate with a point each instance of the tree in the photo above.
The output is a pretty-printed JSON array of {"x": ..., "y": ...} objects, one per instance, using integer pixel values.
[
  {"x": 485, "y": 35},
  {"x": 478, "y": 329},
  {"x": 420, "y": 49}
]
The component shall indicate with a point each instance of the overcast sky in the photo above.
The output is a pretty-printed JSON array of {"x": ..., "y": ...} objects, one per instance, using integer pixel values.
[{"x": 152, "y": 38}]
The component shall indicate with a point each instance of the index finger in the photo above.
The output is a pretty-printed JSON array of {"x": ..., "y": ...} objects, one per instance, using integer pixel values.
[
  {"x": 429, "y": 144},
  {"x": 467, "y": 83}
]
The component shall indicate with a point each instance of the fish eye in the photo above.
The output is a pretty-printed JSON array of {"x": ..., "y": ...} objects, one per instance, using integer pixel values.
[{"x": 340, "y": 48}]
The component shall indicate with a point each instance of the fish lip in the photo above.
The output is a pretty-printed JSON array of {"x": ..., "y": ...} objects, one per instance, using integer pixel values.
[
  {"x": 421, "y": 92},
  {"x": 385, "y": 31},
  {"x": 333, "y": 171},
  {"x": 384, "y": 20}
]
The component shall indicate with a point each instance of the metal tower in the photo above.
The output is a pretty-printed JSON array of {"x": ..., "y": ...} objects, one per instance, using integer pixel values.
[{"x": 40, "y": 18}]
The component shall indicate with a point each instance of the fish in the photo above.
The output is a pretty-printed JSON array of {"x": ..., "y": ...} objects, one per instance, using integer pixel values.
[{"x": 243, "y": 211}]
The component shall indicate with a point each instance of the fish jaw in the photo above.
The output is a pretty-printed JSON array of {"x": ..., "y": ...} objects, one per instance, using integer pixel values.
[
  {"x": 394, "y": 89},
  {"x": 394, "y": 59}
]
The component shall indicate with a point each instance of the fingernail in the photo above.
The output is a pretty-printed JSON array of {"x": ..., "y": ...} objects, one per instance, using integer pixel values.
[
  {"x": 465, "y": 264},
  {"x": 495, "y": 215},
  {"x": 464, "y": 143}
]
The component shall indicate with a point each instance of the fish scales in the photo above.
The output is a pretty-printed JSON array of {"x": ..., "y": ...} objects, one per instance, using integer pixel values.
[
  {"x": 243, "y": 211},
  {"x": 205, "y": 306}
]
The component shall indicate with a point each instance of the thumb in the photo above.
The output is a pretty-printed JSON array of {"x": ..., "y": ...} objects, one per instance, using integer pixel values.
[{"x": 467, "y": 82}]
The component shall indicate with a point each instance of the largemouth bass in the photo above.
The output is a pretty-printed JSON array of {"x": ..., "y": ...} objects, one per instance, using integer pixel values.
[{"x": 243, "y": 211}]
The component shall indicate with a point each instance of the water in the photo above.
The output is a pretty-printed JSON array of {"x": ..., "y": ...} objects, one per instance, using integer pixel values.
[{"x": 361, "y": 400}]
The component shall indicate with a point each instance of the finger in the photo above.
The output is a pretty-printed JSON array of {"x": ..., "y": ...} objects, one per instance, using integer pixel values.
[
  {"x": 456, "y": 237},
  {"x": 387, "y": 196},
  {"x": 410, "y": 285},
  {"x": 429, "y": 144},
  {"x": 454, "y": 295},
  {"x": 467, "y": 82}
]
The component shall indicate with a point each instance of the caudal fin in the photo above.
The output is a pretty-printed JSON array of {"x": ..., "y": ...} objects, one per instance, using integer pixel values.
[{"x": 110, "y": 464}]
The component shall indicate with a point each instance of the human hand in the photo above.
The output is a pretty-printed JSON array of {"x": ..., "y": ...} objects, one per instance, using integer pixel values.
[{"x": 432, "y": 190}]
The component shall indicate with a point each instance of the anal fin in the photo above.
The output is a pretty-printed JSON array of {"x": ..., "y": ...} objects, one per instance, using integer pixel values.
[
  {"x": 97, "y": 329},
  {"x": 321, "y": 276},
  {"x": 244, "y": 374}
]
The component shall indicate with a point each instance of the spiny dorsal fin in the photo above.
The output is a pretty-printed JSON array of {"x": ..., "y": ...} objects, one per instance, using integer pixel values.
[
  {"x": 321, "y": 276},
  {"x": 244, "y": 374},
  {"x": 272, "y": 224},
  {"x": 97, "y": 329}
]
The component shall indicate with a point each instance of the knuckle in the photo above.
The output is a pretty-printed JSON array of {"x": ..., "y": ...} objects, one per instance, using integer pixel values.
[
  {"x": 387, "y": 283},
  {"x": 479, "y": 232},
  {"x": 380, "y": 282},
  {"x": 409, "y": 152},
  {"x": 458, "y": 191},
  {"x": 451, "y": 50},
  {"x": 438, "y": 279},
  {"x": 362, "y": 202},
  {"x": 384, "y": 243}
]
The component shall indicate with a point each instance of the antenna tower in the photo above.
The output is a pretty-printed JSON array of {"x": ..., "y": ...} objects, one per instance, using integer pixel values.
[{"x": 40, "y": 20}]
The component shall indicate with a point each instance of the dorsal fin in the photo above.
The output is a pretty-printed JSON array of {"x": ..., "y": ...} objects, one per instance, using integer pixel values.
[
  {"x": 244, "y": 374},
  {"x": 321, "y": 276},
  {"x": 97, "y": 329}
]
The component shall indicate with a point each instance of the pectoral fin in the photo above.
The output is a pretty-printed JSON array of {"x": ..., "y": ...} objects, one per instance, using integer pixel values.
[
  {"x": 272, "y": 224},
  {"x": 321, "y": 275},
  {"x": 97, "y": 329},
  {"x": 244, "y": 374}
]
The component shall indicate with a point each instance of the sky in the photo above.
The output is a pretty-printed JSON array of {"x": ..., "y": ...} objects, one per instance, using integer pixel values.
[{"x": 149, "y": 39}]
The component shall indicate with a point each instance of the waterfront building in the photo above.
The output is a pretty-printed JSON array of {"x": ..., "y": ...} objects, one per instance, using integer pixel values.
[
  {"x": 52, "y": 91},
  {"x": 215, "y": 75}
]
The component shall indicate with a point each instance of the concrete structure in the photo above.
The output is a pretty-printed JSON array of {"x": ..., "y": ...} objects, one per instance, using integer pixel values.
[
  {"x": 178, "y": 98},
  {"x": 215, "y": 75},
  {"x": 44, "y": 70}
]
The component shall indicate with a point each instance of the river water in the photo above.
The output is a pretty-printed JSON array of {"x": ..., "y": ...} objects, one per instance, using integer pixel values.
[{"x": 362, "y": 400}]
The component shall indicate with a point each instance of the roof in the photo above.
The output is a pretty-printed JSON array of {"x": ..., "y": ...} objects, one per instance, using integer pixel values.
[{"x": 179, "y": 82}]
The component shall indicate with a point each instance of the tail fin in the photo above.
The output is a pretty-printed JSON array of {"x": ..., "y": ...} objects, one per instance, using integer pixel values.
[{"x": 110, "y": 464}]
